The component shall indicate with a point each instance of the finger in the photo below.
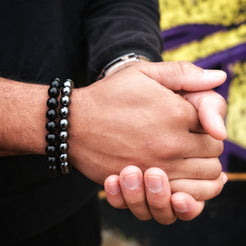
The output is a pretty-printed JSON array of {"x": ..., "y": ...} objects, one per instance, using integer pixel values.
[
  {"x": 132, "y": 187},
  {"x": 187, "y": 144},
  {"x": 113, "y": 192},
  {"x": 211, "y": 109},
  {"x": 185, "y": 206},
  {"x": 193, "y": 168},
  {"x": 158, "y": 196},
  {"x": 199, "y": 189},
  {"x": 202, "y": 145},
  {"x": 183, "y": 75}
]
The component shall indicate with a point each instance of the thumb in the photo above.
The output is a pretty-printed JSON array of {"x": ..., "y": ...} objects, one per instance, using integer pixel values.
[
  {"x": 211, "y": 108},
  {"x": 183, "y": 75}
]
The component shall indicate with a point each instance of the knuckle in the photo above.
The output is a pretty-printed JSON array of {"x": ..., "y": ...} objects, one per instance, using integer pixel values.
[
  {"x": 198, "y": 171},
  {"x": 218, "y": 187},
  {"x": 216, "y": 169},
  {"x": 144, "y": 217},
  {"x": 220, "y": 147},
  {"x": 184, "y": 66},
  {"x": 167, "y": 220},
  {"x": 135, "y": 204},
  {"x": 213, "y": 169}
]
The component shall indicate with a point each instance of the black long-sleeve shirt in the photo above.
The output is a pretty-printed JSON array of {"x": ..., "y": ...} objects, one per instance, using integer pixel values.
[{"x": 75, "y": 39}]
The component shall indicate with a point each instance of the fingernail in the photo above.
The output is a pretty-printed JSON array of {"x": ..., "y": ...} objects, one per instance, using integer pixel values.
[
  {"x": 225, "y": 178},
  {"x": 154, "y": 183},
  {"x": 219, "y": 123},
  {"x": 180, "y": 205},
  {"x": 114, "y": 188},
  {"x": 131, "y": 181},
  {"x": 214, "y": 73}
]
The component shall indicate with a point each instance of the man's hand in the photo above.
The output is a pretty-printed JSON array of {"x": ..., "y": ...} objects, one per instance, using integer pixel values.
[
  {"x": 149, "y": 195},
  {"x": 138, "y": 117}
]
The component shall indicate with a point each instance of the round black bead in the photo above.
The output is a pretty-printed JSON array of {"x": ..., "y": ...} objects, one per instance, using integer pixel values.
[
  {"x": 63, "y": 147},
  {"x": 64, "y": 157},
  {"x": 63, "y": 136},
  {"x": 51, "y": 114},
  {"x": 52, "y": 103},
  {"x": 64, "y": 124},
  {"x": 66, "y": 91},
  {"x": 52, "y": 160},
  {"x": 68, "y": 83},
  {"x": 64, "y": 112},
  {"x": 53, "y": 92},
  {"x": 55, "y": 83},
  {"x": 53, "y": 170},
  {"x": 51, "y": 150},
  {"x": 65, "y": 101},
  {"x": 51, "y": 138},
  {"x": 51, "y": 126}
]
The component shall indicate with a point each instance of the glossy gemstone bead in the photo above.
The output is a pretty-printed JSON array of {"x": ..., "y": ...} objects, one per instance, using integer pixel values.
[
  {"x": 64, "y": 124},
  {"x": 53, "y": 170},
  {"x": 64, "y": 112},
  {"x": 52, "y": 160},
  {"x": 51, "y": 150},
  {"x": 68, "y": 83},
  {"x": 63, "y": 147},
  {"x": 65, "y": 101},
  {"x": 51, "y": 138},
  {"x": 53, "y": 92},
  {"x": 63, "y": 136},
  {"x": 64, "y": 157},
  {"x": 65, "y": 167},
  {"x": 52, "y": 103},
  {"x": 55, "y": 83},
  {"x": 51, "y": 114},
  {"x": 51, "y": 126},
  {"x": 66, "y": 91}
]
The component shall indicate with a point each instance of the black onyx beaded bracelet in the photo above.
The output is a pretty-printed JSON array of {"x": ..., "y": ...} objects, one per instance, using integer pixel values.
[{"x": 57, "y": 136}]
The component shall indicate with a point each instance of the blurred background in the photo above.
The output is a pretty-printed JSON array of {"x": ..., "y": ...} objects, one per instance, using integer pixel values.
[{"x": 211, "y": 34}]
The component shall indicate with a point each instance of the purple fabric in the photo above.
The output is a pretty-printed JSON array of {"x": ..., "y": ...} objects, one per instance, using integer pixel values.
[{"x": 180, "y": 35}]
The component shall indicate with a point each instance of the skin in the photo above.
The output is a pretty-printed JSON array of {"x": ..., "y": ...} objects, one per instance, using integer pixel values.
[
  {"x": 142, "y": 116},
  {"x": 176, "y": 204}
]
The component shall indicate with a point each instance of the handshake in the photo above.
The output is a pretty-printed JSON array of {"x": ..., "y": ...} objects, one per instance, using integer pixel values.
[{"x": 152, "y": 133}]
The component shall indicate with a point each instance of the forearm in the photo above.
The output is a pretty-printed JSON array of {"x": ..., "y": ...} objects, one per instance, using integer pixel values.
[{"x": 22, "y": 118}]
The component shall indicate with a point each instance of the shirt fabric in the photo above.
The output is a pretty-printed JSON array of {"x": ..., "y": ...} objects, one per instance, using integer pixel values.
[{"x": 74, "y": 39}]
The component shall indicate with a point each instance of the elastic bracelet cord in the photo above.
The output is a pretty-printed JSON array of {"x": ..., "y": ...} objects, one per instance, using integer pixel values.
[
  {"x": 64, "y": 124},
  {"x": 51, "y": 126}
]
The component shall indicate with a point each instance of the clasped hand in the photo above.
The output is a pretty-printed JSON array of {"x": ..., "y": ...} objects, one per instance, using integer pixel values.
[{"x": 161, "y": 115}]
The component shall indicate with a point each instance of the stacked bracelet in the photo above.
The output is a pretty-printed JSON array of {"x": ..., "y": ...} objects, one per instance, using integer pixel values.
[
  {"x": 57, "y": 135},
  {"x": 64, "y": 124}
]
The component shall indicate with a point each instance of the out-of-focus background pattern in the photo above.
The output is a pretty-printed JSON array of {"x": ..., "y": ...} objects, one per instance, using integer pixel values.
[{"x": 211, "y": 34}]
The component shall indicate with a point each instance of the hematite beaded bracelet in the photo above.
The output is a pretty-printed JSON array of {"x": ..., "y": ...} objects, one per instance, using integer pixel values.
[
  {"x": 64, "y": 124},
  {"x": 51, "y": 126},
  {"x": 57, "y": 136}
]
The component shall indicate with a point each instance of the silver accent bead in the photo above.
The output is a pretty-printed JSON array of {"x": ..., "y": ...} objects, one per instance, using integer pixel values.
[
  {"x": 68, "y": 83},
  {"x": 66, "y": 91},
  {"x": 64, "y": 157},
  {"x": 65, "y": 167},
  {"x": 65, "y": 101},
  {"x": 63, "y": 147},
  {"x": 63, "y": 135},
  {"x": 64, "y": 124},
  {"x": 64, "y": 112}
]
